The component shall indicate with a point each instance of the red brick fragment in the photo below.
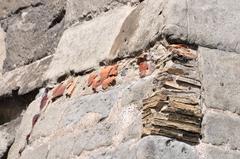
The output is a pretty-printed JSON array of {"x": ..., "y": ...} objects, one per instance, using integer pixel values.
[
  {"x": 27, "y": 139},
  {"x": 44, "y": 101},
  {"x": 71, "y": 86},
  {"x": 143, "y": 69},
  {"x": 182, "y": 50},
  {"x": 91, "y": 79},
  {"x": 114, "y": 70},
  {"x": 58, "y": 91},
  {"x": 96, "y": 83},
  {"x": 105, "y": 72},
  {"x": 110, "y": 81},
  {"x": 35, "y": 119}
]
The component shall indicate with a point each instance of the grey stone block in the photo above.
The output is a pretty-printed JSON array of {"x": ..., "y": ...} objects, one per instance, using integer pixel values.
[
  {"x": 153, "y": 147},
  {"x": 221, "y": 84},
  {"x": 84, "y": 46},
  {"x": 24, "y": 79},
  {"x": 212, "y": 24},
  {"x": 140, "y": 29},
  {"x": 221, "y": 129},
  {"x": 81, "y": 10},
  {"x": 32, "y": 31},
  {"x": 220, "y": 153}
]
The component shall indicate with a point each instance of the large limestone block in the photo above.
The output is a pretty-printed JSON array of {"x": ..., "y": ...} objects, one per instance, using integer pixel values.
[
  {"x": 73, "y": 111},
  {"x": 10, "y": 7},
  {"x": 221, "y": 74},
  {"x": 84, "y": 46},
  {"x": 141, "y": 28},
  {"x": 213, "y": 152},
  {"x": 24, "y": 79},
  {"x": 5, "y": 141},
  {"x": 80, "y": 10},
  {"x": 23, "y": 130},
  {"x": 33, "y": 32},
  {"x": 212, "y": 24},
  {"x": 2, "y": 49},
  {"x": 221, "y": 129},
  {"x": 165, "y": 148},
  {"x": 7, "y": 135}
]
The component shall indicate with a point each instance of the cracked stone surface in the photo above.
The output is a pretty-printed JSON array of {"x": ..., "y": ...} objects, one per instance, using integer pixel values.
[
  {"x": 72, "y": 51},
  {"x": 221, "y": 71},
  {"x": 81, "y": 10},
  {"x": 32, "y": 32},
  {"x": 221, "y": 129}
]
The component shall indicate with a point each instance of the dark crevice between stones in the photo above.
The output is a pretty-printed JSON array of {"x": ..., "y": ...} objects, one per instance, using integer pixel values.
[
  {"x": 71, "y": 73},
  {"x": 171, "y": 40},
  {"x": 20, "y": 9},
  {"x": 57, "y": 18},
  {"x": 12, "y": 106},
  {"x": 5, "y": 155}
]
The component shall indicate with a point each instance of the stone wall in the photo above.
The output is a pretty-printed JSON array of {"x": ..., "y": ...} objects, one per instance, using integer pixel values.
[{"x": 119, "y": 79}]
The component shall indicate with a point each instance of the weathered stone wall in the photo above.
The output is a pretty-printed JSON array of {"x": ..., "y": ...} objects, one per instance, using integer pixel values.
[{"x": 119, "y": 79}]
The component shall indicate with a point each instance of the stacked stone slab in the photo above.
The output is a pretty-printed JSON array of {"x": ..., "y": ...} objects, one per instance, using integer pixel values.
[{"x": 174, "y": 111}]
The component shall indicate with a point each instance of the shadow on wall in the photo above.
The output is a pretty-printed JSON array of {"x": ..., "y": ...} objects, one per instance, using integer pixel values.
[{"x": 12, "y": 107}]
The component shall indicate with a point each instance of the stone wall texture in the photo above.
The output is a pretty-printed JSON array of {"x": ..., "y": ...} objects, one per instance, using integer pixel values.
[{"x": 119, "y": 79}]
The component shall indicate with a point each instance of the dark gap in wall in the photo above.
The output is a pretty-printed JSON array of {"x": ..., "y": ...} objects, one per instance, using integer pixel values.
[
  {"x": 6, "y": 153},
  {"x": 25, "y": 7},
  {"x": 12, "y": 106},
  {"x": 58, "y": 18}
]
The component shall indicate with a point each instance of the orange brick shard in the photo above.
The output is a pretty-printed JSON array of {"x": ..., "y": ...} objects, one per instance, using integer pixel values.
[
  {"x": 91, "y": 79},
  {"x": 70, "y": 87},
  {"x": 143, "y": 69},
  {"x": 44, "y": 101},
  {"x": 27, "y": 139},
  {"x": 35, "y": 119},
  {"x": 105, "y": 72},
  {"x": 114, "y": 71},
  {"x": 96, "y": 83},
  {"x": 58, "y": 91},
  {"x": 182, "y": 50},
  {"x": 108, "y": 82}
]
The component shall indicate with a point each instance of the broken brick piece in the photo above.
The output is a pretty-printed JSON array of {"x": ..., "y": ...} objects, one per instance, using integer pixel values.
[
  {"x": 114, "y": 70},
  {"x": 105, "y": 72},
  {"x": 71, "y": 86},
  {"x": 91, "y": 78},
  {"x": 182, "y": 50},
  {"x": 27, "y": 139},
  {"x": 110, "y": 81},
  {"x": 58, "y": 91},
  {"x": 44, "y": 101},
  {"x": 143, "y": 69},
  {"x": 35, "y": 119},
  {"x": 96, "y": 83}
]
